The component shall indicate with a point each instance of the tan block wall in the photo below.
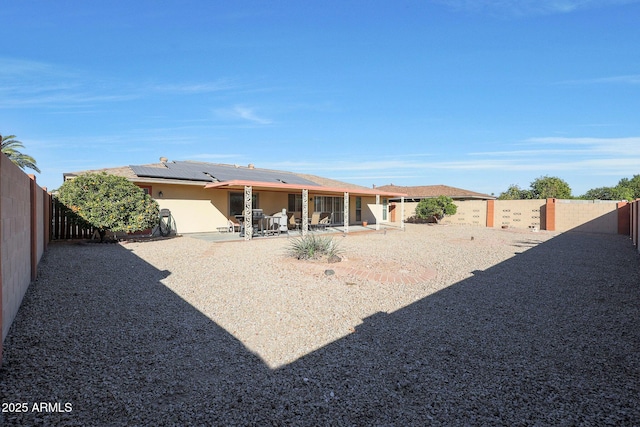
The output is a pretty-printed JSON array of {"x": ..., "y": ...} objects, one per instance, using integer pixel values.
[
  {"x": 16, "y": 239},
  {"x": 587, "y": 215},
  {"x": 469, "y": 212},
  {"x": 519, "y": 213},
  {"x": 409, "y": 209}
]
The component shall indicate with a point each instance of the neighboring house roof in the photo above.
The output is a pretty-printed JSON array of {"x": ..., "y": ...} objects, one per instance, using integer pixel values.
[
  {"x": 215, "y": 175},
  {"x": 429, "y": 191}
]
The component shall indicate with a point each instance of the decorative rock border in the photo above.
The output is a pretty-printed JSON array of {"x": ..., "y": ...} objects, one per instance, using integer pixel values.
[{"x": 401, "y": 277}]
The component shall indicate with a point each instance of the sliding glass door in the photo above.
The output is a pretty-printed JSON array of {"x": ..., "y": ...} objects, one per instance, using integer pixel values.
[{"x": 331, "y": 205}]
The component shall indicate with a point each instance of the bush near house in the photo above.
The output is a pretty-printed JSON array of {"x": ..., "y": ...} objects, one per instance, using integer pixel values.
[
  {"x": 435, "y": 208},
  {"x": 109, "y": 202}
]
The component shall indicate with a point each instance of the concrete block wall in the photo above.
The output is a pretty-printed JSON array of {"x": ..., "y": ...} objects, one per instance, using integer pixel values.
[
  {"x": 523, "y": 214},
  {"x": 594, "y": 216},
  {"x": 469, "y": 212},
  {"x": 15, "y": 252},
  {"x": 634, "y": 223},
  {"x": 24, "y": 235}
]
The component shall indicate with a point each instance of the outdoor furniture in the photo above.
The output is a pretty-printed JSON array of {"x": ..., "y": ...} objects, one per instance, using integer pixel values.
[
  {"x": 233, "y": 224},
  {"x": 276, "y": 223},
  {"x": 258, "y": 217},
  {"x": 240, "y": 219},
  {"x": 324, "y": 222},
  {"x": 282, "y": 221},
  {"x": 294, "y": 222},
  {"x": 314, "y": 223}
]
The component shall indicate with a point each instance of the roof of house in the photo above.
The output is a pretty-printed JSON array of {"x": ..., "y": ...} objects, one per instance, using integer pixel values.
[
  {"x": 220, "y": 175},
  {"x": 428, "y": 191},
  {"x": 213, "y": 172}
]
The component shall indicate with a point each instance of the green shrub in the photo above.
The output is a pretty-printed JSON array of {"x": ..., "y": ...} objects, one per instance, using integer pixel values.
[
  {"x": 109, "y": 202},
  {"x": 313, "y": 247},
  {"x": 436, "y": 208}
]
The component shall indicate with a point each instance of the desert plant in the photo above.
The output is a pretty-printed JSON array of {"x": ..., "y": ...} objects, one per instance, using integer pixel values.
[{"x": 313, "y": 247}]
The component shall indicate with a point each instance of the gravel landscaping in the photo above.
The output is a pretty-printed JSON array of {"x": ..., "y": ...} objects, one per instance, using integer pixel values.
[{"x": 502, "y": 327}]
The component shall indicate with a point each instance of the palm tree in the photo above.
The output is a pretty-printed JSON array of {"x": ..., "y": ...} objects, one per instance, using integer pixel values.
[{"x": 10, "y": 146}]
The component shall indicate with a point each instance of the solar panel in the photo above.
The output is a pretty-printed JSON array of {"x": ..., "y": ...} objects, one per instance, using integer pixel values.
[{"x": 209, "y": 172}]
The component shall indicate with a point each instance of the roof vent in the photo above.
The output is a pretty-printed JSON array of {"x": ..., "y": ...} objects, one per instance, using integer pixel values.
[
  {"x": 164, "y": 159},
  {"x": 251, "y": 166}
]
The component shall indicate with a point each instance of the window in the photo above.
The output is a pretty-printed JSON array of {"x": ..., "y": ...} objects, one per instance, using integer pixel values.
[
  {"x": 385, "y": 208},
  {"x": 236, "y": 203},
  {"x": 295, "y": 203},
  {"x": 146, "y": 189}
]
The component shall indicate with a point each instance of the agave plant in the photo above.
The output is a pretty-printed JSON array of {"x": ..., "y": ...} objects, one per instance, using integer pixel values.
[{"x": 313, "y": 247}]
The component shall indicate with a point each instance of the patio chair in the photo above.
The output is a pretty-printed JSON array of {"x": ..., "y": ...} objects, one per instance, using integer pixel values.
[
  {"x": 233, "y": 224},
  {"x": 315, "y": 220},
  {"x": 324, "y": 222},
  {"x": 293, "y": 223}
]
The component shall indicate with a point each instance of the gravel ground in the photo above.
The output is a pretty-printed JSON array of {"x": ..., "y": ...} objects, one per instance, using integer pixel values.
[{"x": 512, "y": 328}]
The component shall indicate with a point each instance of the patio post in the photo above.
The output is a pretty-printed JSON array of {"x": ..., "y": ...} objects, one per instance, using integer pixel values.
[
  {"x": 346, "y": 212},
  {"x": 248, "y": 212},
  {"x": 377, "y": 204},
  {"x": 402, "y": 213},
  {"x": 305, "y": 211}
]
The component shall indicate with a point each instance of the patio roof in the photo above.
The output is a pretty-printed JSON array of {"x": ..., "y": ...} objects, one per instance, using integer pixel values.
[{"x": 237, "y": 183}]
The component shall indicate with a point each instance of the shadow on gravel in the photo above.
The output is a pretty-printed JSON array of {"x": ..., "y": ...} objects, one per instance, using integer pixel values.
[{"x": 521, "y": 343}]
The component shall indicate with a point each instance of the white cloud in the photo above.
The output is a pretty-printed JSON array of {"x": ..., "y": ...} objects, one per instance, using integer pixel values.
[
  {"x": 21, "y": 67},
  {"x": 596, "y": 146},
  {"x": 211, "y": 156},
  {"x": 243, "y": 113},
  {"x": 632, "y": 79},
  {"x": 194, "y": 88},
  {"x": 519, "y": 8},
  {"x": 588, "y": 155}
]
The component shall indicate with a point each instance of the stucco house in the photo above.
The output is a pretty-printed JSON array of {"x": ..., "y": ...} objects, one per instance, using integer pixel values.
[
  {"x": 202, "y": 197},
  {"x": 413, "y": 195}
]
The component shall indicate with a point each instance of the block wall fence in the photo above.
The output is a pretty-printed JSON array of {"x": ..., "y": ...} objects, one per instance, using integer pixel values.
[
  {"x": 634, "y": 223},
  {"x": 24, "y": 236},
  {"x": 595, "y": 216}
]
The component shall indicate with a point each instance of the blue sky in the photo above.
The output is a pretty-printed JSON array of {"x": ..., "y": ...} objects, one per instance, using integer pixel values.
[{"x": 476, "y": 94}]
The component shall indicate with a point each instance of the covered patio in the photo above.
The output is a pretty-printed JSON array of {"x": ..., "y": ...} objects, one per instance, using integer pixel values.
[
  {"x": 341, "y": 220},
  {"x": 227, "y": 236}
]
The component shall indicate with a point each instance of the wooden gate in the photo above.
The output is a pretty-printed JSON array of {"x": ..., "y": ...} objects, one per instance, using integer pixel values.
[{"x": 67, "y": 225}]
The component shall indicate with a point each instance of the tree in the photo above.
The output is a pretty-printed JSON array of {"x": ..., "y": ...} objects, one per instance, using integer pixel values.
[
  {"x": 547, "y": 187},
  {"x": 633, "y": 185},
  {"x": 10, "y": 146},
  {"x": 436, "y": 208},
  {"x": 608, "y": 193},
  {"x": 109, "y": 202},
  {"x": 514, "y": 192}
]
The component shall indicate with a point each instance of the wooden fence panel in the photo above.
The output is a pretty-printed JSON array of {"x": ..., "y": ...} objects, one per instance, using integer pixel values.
[{"x": 66, "y": 225}]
